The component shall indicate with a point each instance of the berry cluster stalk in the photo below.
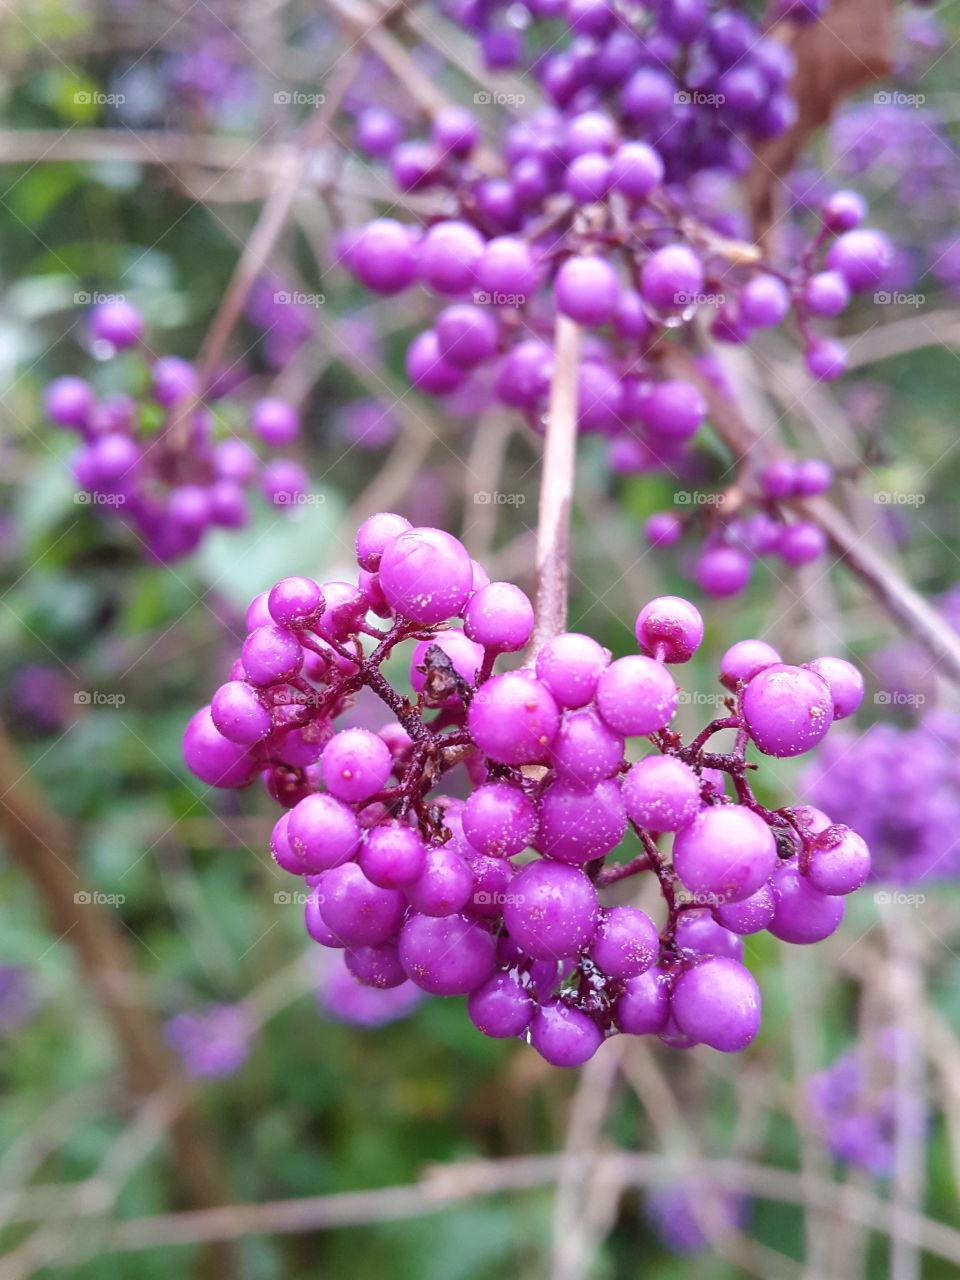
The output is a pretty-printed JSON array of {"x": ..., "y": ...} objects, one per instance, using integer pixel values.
[{"x": 556, "y": 490}]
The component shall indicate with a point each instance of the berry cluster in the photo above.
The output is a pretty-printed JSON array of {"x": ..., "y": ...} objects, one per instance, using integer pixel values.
[
  {"x": 747, "y": 520},
  {"x": 900, "y": 789},
  {"x": 155, "y": 461},
  {"x": 616, "y": 209},
  {"x": 855, "y": 1102},
  {"x": 446, "y": 893}
]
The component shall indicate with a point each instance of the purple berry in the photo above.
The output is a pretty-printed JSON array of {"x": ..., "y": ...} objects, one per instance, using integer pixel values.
[
  {"x": 636, "y": 695},
  {"x": 626, "y": 942},
  {"x": 844, "y": 682},
  {"x": 295, "y": 602},
  {"x": 426, "y": 575},
  {"x": 355, "y": 765},
  {"x": 513, "y": 718},
  {"x": 239, "y": 714},
  {"x": 570, "y": 665},
  {"x": 669, "y": 627},
  {"x": 723, "y": 571},
  {"x": 577, "y": 826},
  {"x": 447, "y": 956},
  {"x": 564, "y": 1036},
  {"x": 383, "y": 257},
  {"x": 744, "y": 659},
  {"x": 726, "y": 853},
  {"x": 803, "y": 914},
  {"x": 392, "y": 855},
  {"x": 500, "y": 617},
  {"x": 502, "y": 1007},
  {"x": 499, "y": 819},
  {"x": 661, "y": 793},
  {"x": 717, "y": 1002},
  {"x": 552, "y": 910},
  {"x": 787, "y": 710},
  {"x": 213, "y": 758},
  {"x": 323, "y": 833},
  {"x": 274, "y": 420}
]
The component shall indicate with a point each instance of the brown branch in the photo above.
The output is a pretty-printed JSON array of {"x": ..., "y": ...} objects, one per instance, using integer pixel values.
[
  {"x": 271, "y": 222},
  {"x": 556, "y": 489},
  {"x": 36, "y": 841},
  {"x": 895, "y": 595},
  {"x": 442, "y": 1187}
]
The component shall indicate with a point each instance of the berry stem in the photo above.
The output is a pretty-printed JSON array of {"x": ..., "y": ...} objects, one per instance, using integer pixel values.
[{"x": 556, "y": 489}]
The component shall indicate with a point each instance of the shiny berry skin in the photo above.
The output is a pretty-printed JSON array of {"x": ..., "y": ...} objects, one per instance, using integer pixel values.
[
  {"x": 661, "y": 793},
  {"x": 513, "y": 718},
  {"x": 717, "y": 1002},
  {"x": 636, "y": 695},
  {"x": 426, "y": 575},
  {"x": 787, "y": 710},
  {"x": 671, "y": 627},
  {"x": 726, "y": 853}
]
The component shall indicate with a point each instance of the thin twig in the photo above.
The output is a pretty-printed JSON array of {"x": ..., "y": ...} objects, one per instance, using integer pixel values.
[
  {"x": 37, "y": 843},
  {"x": 895, "y": 595},
  {"x": 445, "y": 1186}
]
